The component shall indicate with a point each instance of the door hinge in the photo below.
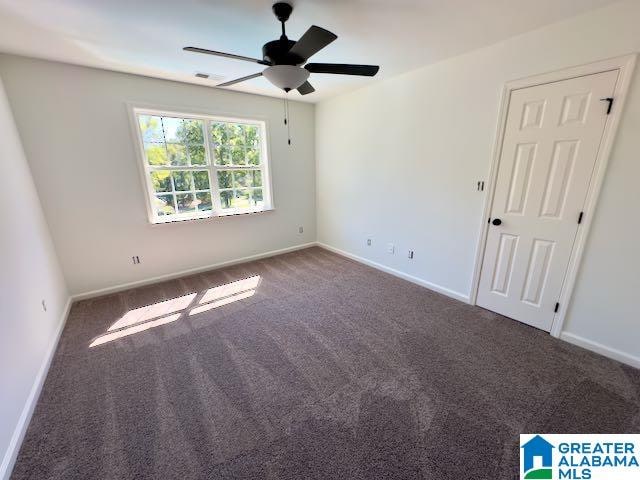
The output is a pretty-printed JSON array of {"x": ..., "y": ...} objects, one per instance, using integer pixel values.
[
  {"x": 610, "y": 100},
  {"x": 580, "y": 218},
  {"x": 557, "y": 307}
]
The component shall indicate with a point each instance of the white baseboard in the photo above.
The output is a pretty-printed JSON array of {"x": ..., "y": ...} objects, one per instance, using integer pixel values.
[
  {"x": 192, "y": 271},
  {"x": 405, "y": 276},
  {"x": 25, "y": 417},
  {"x": 601, "y": 349}
]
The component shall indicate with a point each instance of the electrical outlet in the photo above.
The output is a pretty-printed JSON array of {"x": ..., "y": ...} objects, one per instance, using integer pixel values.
[
  {"x": 391, "y": 248},
  {"x": 44, "y": 305},
  {"x": 135, "y": 259},
  {"x": 369, "y": 241},
  {"x": 410, "y": 254},
  {"x": 300, "y": 229}
]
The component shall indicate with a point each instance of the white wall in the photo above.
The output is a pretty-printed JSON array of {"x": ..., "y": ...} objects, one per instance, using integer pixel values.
[
  {"x": 75, "y": 129},
  {"x": 29, "y": 274},
  {"x": 400, "y": 160}
]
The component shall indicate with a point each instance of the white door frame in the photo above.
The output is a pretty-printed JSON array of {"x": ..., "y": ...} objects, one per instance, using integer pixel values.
[{"x": 625, "y": 65}]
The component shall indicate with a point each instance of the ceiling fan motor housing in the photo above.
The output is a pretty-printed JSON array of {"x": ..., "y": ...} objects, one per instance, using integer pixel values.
[{"x": 278, "y": 53}]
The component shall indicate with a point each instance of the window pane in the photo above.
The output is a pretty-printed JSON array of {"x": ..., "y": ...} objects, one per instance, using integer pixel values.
[
  {"x": 201, "y": 180},
  {"x": 251, "y": 135},
  {"x": 186, "y": 202},
  {"x": 203, "y": 200},
  {"x": 170, "y": 127},
  {"x": 156, "y": 154},
  {"x": 237, "y": 156},
  {"x": 221, "y": 155},
  {"x": 236, "y": 134},
  {"x": 226, "y": 198},
  {"x": 225, "y": 179},
  {"x": 241, "y": 199},
  {"x": 161, "y": 181},
  {"x": 219, "y": 133},
  {"x": 255, "y": 178},
  {"x": 197, "y": 155},
  {"x": 177, "y": 154},
  {"x": 183, "y": 181},
  {"x": 240, "y": 178},
  {"x": 256, "y": 198},
  {"x": 190, "y": 132},
  {"x": 151, "y": 128},
  {"x": 253, "y": 156},
  {"x": 164, "y": 205}
]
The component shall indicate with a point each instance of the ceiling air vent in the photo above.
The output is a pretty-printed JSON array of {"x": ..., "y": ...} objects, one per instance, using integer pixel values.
[{"x": 209, "y": 76}]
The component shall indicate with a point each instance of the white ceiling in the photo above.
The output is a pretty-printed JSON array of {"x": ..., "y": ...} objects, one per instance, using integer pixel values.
[{"x": 146, "y": 37}]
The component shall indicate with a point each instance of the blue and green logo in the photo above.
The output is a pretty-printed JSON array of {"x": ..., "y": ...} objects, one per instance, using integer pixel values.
[{"x": 537, "y": 459}]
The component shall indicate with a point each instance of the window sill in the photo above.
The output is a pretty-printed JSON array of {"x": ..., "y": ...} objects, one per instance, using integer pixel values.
[{"x": 205, "y": 218}]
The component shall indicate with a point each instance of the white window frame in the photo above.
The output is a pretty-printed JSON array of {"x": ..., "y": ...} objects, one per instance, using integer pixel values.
[{"x": 145, "y": 169}]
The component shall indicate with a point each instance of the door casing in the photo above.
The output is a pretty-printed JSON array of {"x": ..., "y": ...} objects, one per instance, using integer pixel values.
[{"x": 625, "y": 65}]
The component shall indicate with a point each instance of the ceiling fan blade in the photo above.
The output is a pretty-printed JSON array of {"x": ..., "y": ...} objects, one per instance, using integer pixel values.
[
  {"x": 306, "y": 88},
  {"x": 223, "y": 54},
  {"x": 343, "y": 69},
  {"x": 238, "y": 80},
  {"x": 313, "y": 40}
]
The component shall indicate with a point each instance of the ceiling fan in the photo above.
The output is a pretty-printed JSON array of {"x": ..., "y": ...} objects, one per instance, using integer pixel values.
[{"x": 284, "y": 58}]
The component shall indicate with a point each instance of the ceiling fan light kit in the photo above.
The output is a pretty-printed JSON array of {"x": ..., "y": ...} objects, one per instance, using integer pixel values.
[
  {"x": 286, "y": 60},
  {"x": 286, "y": 77}
]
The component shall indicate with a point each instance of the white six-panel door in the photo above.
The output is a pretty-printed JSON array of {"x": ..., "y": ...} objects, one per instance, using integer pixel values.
[{"x": 551, "y": 140}]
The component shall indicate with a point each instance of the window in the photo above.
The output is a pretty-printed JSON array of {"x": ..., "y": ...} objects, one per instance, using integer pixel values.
[{"x": 200, "y": 166}]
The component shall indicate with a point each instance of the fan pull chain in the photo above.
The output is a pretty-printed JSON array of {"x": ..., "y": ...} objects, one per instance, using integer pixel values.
[
  {"x": 288, "y": 123},
  {"x": 284, "y": 106},
  {"x": 287, "y": 120}
]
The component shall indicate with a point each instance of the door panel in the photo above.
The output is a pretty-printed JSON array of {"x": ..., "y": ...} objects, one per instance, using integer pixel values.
[
  {"x": 504, "y": 264},
  {"x": 537, "y": 270},
  {"x": 551, "y": 140},
  {"x": 559, "y": 178},
  {"x": 520, "y": 177}
]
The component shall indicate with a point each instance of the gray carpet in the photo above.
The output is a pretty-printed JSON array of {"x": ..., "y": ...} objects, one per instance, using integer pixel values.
[{"x": 326, "y": 370}]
